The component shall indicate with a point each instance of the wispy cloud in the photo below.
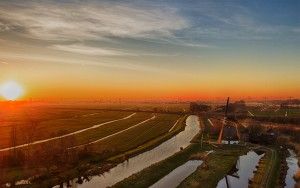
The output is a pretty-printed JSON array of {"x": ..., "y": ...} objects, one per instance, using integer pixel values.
[
  {"x": 89, "y": 50},
  {"x": 123, "y": 65},
  {"x": 4, "y": 62},
  {"x": 3, "y": 27},
  {"x": 89, "y": 21},
  {"x": 83, "y": 49},
  {"x": 296, "y": 30},
  {"x": 232, "y": 20}
]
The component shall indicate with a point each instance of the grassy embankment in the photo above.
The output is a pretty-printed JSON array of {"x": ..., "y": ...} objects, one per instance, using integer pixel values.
[
  {"x": 219, "y": 163},
  {"x": 268, "y": 170},
  {"x": 155, "y": 172},
  {"x": 146, "y": 136}
]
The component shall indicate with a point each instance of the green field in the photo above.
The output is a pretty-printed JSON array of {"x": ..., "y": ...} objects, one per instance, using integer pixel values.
[
  {"x": 111, "y": 128},
  {"x": 42, "y": 123},
  {"x": 139, "y": 132},
  {"x": 276, "y": 113}
]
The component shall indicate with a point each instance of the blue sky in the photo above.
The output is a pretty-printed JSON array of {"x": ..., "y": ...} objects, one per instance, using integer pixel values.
[{"x": 139, "y": 39}]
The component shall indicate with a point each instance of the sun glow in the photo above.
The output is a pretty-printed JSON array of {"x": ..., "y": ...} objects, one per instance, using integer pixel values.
[{"x": 11, "y": 90}]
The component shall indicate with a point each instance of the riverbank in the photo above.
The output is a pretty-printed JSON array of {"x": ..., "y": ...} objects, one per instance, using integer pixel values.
[
  {"x": 217, "y": 165},
  {"x": 268, "y": 169},
  {"x": 90, "y": 166},
  {"x": 152, "y": 174}
]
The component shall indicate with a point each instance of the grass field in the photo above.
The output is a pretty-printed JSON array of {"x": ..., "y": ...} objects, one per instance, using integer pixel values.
[
  {"x": 42, "y": 123},
  {"x": 81, "y": 119},
  {"x": 219, "y": 163},
  {"x": 276, "y": 113},
  {"x": 140, "y": 135},
  {"x": 111, "y": 128},
  {"x": 32, "y": 122},
  {"x": 131, "y": 135},
  {"x": 136, "y": 106}
]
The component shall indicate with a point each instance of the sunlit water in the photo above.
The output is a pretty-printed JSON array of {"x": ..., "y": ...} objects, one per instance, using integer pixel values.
[
  {"x": 292, "y": 163},
  {"x": 246, "y": 166},
  {"x": 139, "y": 162},
  {"x": 174, "y": 178}
]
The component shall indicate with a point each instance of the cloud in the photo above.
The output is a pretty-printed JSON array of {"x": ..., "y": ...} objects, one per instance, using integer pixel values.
[
  {"x": 296, "y": 30},
  {"x": 3, "y": 27},
  {"x": 89, "y": 20},
  {"x": 88, "y": 50},
  {"x": 215, "y": 21},
  {"x": 108, "y": 63},
  {"x": 83, "y": 49},
  {"x": 3, "y": 62},
  {"x": 123, "y": 65}
]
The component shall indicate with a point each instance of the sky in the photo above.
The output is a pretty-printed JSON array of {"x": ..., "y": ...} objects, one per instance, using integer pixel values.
[{"x": 158, "y": 49}]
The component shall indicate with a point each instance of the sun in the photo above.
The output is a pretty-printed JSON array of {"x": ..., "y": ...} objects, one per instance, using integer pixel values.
[{"x": 11, "y": 90}]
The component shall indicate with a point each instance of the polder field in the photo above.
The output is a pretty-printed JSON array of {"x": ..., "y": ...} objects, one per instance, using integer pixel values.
[
  {"x": 38, "y": 122},
  {"x": 36, "y": 137},
  {"x": 276, "y": 112},
  {"x": 123, "y": 145}
]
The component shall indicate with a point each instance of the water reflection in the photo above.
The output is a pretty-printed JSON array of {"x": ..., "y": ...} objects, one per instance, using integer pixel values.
[
  {"x": 139, "y": 162},
  {"x": 292, "y": 163},
  {"x": 174, "y": 178},
  {"x": 244, "y": 171}
]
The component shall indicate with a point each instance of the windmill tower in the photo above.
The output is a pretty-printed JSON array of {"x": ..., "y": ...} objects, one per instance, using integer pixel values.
[{"x": 224, "y": 122}]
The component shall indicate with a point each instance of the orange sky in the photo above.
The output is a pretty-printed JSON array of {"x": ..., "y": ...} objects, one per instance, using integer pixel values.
[{"x": 166, "y": 52}]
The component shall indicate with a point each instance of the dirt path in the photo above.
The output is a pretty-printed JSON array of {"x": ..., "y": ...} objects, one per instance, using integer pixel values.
[
  {"x": 114, "y": 134},
  {"x": 251, "y": 114},
  {"x": 65, "y": 135},
  {"x": 174, "y": 125}
]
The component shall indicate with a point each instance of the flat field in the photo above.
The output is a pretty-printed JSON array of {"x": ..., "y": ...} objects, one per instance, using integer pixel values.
[
  {"x": 113, "y": 129},
  {"x": 30, "y": 124},
  {"x": 276, "y": 112}
]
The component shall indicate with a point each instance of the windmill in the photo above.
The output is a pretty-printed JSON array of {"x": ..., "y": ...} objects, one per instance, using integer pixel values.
[
  {"x": 223, "y": 123},
  {"x": 228, "y": 128}
]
